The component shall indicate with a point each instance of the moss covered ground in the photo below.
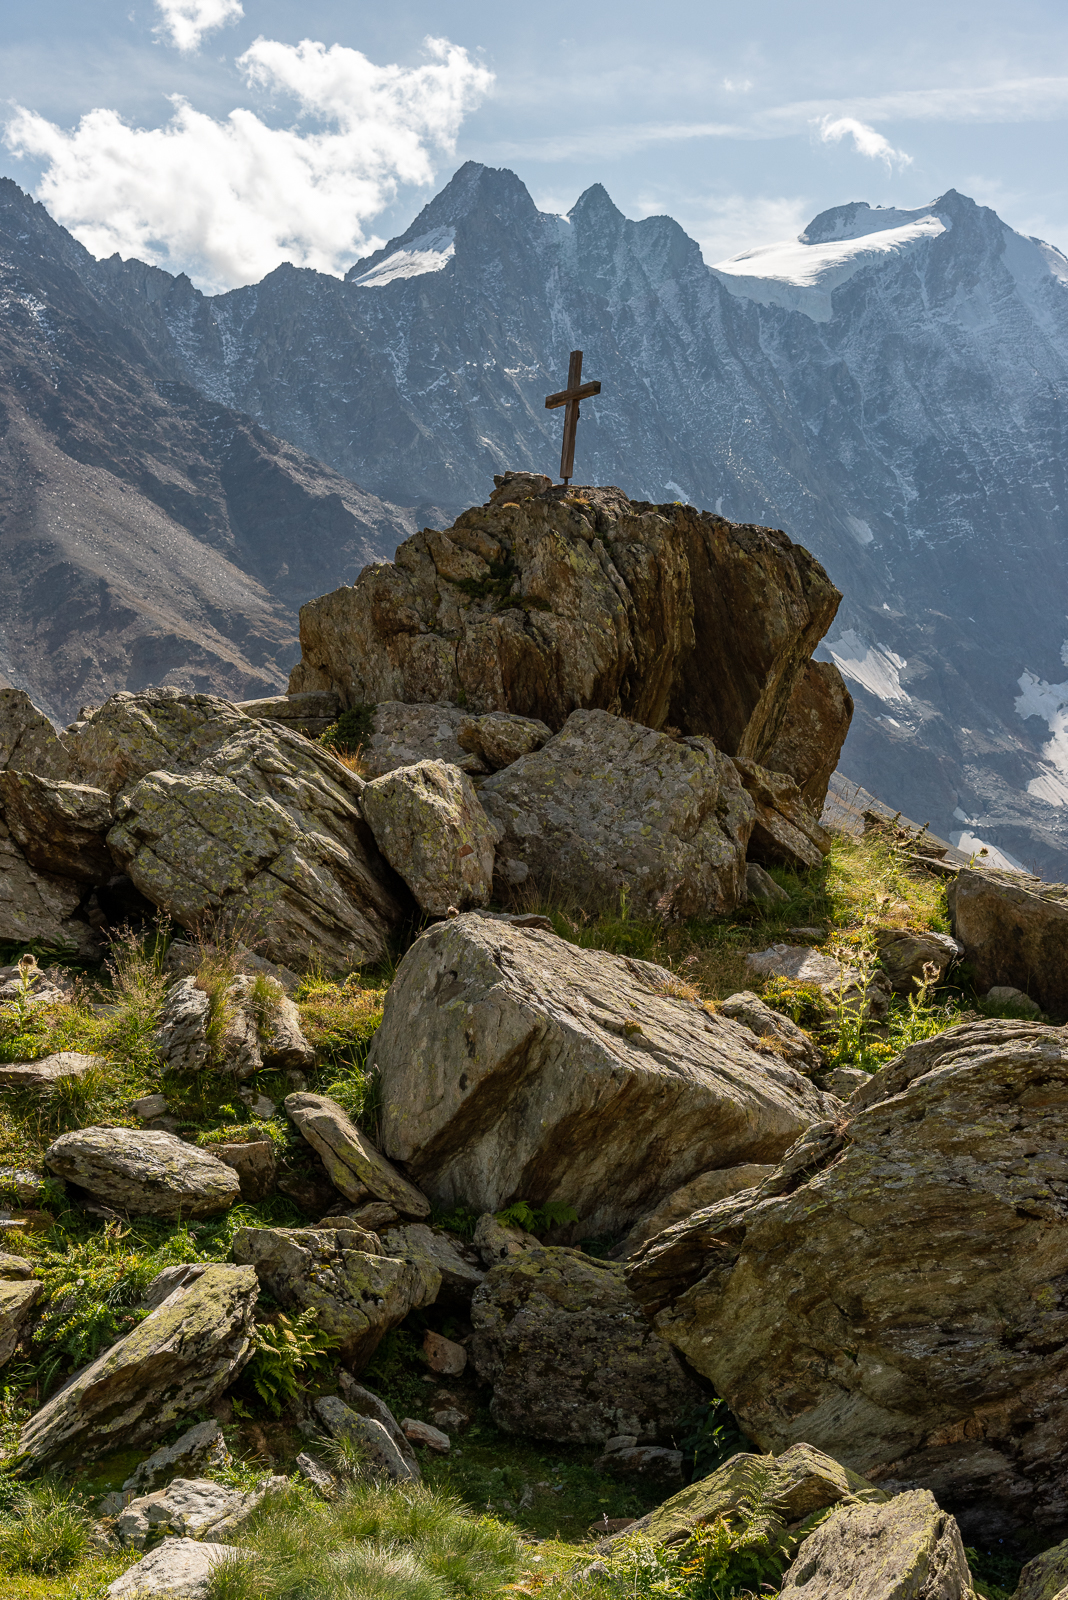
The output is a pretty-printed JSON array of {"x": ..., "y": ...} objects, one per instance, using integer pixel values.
[{"x": 522, "y": 1510}]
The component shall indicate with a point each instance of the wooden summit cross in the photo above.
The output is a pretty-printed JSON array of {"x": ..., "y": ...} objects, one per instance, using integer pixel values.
[{"x": 576, "y": 390}]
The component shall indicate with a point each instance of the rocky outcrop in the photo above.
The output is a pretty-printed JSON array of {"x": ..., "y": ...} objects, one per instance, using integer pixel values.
[
  {"x": 256, "y": 1165},
  {"x": 406, "y": 734},
  {"x": 515, "y": 1065},
  {"x": 910, "y": 959},
  {"x": 907, "y": 1547},
  {"x": 1046, "y": 1576},
  {"x": 355, "y": 1167},
  {"x": 1014, "y": 929},
  {"x": 41, "y": 907},
  {"x": 429, "y": 825},
  {"x": 892, "y": 1293},
  {"x": 785, "y": 831},
  {"x": 365, "y": 1403},
  {"x": 570, "y": 601},
  {"x": 809, "y": 742},
  {"x": 59, "y": 827},
  {"x": 144, "y": 1172},
  {"x": 201, "y": 1446},
  {"x": 185, "y": 1353},
  {"x": 180, "y": 1569},
  {"x": 457, "y": 1263},
  {"x": 301, "y": 713},
  {"x": 222, "y": 816},
  {"x": 259, "y": 1032},
  {"x": 357, "y": 1293},
  {"x": 779, "y": 1034},
  {"x": 569, "y": 1354},
  {"x": 609, "y": 809}
]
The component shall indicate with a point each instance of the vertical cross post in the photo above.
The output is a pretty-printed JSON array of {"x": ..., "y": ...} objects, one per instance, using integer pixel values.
[{"x": 576, "y": 390}]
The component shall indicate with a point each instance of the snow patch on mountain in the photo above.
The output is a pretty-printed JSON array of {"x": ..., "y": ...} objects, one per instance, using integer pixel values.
[
  {"x": 428, "y": 252},
  {"x": 801, "y": 274},
  {"x": 874, "y": 667},
  {"x": 1037, "y": 698}
]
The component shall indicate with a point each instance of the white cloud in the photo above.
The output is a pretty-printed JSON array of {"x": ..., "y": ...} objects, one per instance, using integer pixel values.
[
  {"x": 185, "y": 22},
  {"x": 723, "y": 225},
  {"x": 866, "y": 141},
  {"x": 229, "y": 200}
]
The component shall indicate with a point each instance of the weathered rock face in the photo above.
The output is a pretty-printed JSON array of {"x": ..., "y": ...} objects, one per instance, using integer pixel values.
[
  {"x": 41, "y": 906},
  {"x": 515, "y": 1065},
  {"x": 569, "y": 1354},
  {"x": 194, "y": 1508},
  {"x": 457, "y": 1263},
  {"x": 247, "y": 822},
  {"x": 49, "y": 1070},
  {"x": 371, "y": 1438},
  {"x": 365, "y": 1403},
  {"x": 255, "y": 1163},
  {"x": 199, "y": 1447},
  {"x": 59, "y": 827},
  {"x": 407, "y": 734},
  {"x": 704, "y": 1190},
  {"x": 894, "y": 1292},
  {"x": 357, "y": 1294},
  {"x": 785, "y": 831},
  {"x": 609, "y": 807},
  {"x": 813, "y": 731},
  {"x": 356, "y": 1168},
  {"x": 429, "y": 825},
  {"x": 561, "y": 602},
  {"x": 905, "y": 956},
  {"x": 779, "y": 1033},
  {"x": 905, "y": 1548},
  {"x": 256, "y": 1036},
  {"x": 1045, "y": 1576},
  {"x": 28, "y": 741},
  {"x": 1014, "y": 929},
  {"x": 302, "y": 713},
  {"x": 182, "y": 1356},
  {"x": 144, "y": 1172}
]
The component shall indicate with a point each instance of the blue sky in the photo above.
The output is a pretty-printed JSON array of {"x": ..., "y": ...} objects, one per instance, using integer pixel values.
[{"x": 742, "y": 121}]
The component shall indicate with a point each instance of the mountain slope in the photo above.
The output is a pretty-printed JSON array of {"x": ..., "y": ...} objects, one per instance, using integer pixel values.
[
  {"x": 147, "y": 535},
  {"x": 891, "y": 389}
]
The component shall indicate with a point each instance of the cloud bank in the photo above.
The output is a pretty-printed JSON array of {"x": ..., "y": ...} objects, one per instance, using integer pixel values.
[
  {"x": 185, "y": 22},
  {"x": 227, "y": 201}
]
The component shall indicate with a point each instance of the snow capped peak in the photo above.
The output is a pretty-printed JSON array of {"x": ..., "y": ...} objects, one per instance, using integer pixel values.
[
  {"x": 801, "y": 274},
  {"x": 427, "y": 252}
]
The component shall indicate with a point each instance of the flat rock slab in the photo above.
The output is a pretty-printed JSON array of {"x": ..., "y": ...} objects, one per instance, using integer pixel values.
[
  {"x": 181, "y": 1569},
  {"x": 194, "y": 1508},
  {"x": 354, "y": 1165},
  {"x": 60, "y": 827},
  {"x": 569, "y": 1353},
  {"x": 516, "y": 1065},
  {"x": 429, "y": 825},
  {"x": 609, "y": 808},
  {"x": 144, "y": 1172},
  {"x": 906, "y": 1548},
  {"x": 49, "y": 1070},
  {"x": 357, "y": 1296},
  {"x": 941, "y": 1197},
  {"x": 181, "y": 1357}
]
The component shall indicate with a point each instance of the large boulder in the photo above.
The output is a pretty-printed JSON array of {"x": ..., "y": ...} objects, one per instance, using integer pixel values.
[
  {"x": 144, "y": 1172},
  {"x": 515, "y": 1065},
  {"x": 813, "y": 731},
  {"x": 179, "y": 1569},
  {"x": 1014, "y": 929},
  {"x": 893, "y": 1293},
  {"x": 59, "y": 827},
  {"x": 429, "y": 825},
  {"x": 570, "y": 1355},
  {"x": 28, "y": 741},
  {"x": 785, "y": 831},
  {"x": 355, "y": 1167},
  {"x": 905, "y": 1549},
  {"x": 356, "y": 1292},
  {"x": 458, "y": 1263},
  {"x": 249, "y": 823},
  {"x": 1045, "y": 1576},
  {"x": 806, "y": 1481},
  {"x": 195, "y": 1508},
  {"x": 912, "y": 958},
  {"x": 610, "y": 809},
  {"x": 185, "y": 1353},
  {"x": 568, "y": 600}
]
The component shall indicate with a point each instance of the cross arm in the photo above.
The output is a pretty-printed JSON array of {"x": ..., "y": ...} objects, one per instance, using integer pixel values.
[{"x": 561, "y": 399}]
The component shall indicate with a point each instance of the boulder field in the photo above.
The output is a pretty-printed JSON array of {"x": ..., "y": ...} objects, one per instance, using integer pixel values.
[{"x": 575, "y": 700}]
